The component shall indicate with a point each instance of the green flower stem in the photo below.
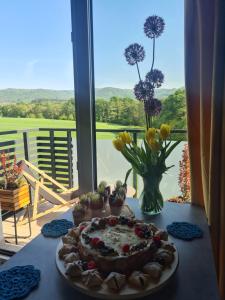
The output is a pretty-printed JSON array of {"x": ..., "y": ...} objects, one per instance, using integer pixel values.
[{"x": 151, "y": 197}]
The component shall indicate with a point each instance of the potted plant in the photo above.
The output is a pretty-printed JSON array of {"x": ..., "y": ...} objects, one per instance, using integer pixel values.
[
  {"x": 84, "y": 201},
  {"x": 149, "y": 158},
  {"x": 117, "y": 198},
  {"x": 104, "y": 191},
  {"x": 14, "y": 191},
  {"x": 78, "y": 213},
  {"x": 96, "y": 204}
]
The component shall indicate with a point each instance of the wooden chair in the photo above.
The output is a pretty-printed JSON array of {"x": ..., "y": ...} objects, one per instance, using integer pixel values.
[{"x": 37, "y": 179}]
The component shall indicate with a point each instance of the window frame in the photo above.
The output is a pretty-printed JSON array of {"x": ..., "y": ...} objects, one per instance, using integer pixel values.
[{"x": 83, "y": 67}]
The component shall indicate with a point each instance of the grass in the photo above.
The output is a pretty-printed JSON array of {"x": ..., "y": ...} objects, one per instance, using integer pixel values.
[{"x": 27, "y": 123}]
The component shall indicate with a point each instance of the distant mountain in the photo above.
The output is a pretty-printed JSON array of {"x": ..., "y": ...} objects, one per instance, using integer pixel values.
[{"x": 27, "y": 95}]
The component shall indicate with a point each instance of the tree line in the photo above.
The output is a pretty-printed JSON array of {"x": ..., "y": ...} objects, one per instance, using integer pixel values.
[{"x": 124, "y": 111}]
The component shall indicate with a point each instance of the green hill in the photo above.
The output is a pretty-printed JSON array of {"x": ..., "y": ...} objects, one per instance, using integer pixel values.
[{"x": 27, "y": 95}]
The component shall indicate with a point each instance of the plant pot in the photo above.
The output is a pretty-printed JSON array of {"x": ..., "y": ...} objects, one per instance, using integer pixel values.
[
  {"x": 151, "y": 200},
  {"x": 116, "y": 210},
  {"x": 96, "y": 208},
  {"x": 96, "y": 213},
  {"x": 13, "y": 200},
  {"x": 116, "y": 205}
]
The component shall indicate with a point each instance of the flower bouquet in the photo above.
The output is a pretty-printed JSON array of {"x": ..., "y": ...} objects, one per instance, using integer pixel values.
[{"x": 148, "y": 159}]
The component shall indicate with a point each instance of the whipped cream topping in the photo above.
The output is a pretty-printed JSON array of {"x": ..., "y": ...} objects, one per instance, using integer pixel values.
[{"x": 117, "y": 236}]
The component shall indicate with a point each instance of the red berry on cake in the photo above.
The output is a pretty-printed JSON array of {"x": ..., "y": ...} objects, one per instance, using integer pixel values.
[
  {"x": 141, "y": 234},
  {"x": 82, "y": 228},
  {"x": 130, "y": 223},
  {"x": 156, "y": 238},
  {"x": 157, "y": 241},
  {"x": 137, "y": 230},
  {"x": 126, "y": 248},
  {"x": 91, "y": 265},
  {"x": 95, "y": 241},
  {"x": 100, "y": 244},
  {"x": 112, "y": 221}
]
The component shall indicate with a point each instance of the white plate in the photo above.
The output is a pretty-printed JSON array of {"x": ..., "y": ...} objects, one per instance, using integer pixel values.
[{"x": 127, "y": 291}]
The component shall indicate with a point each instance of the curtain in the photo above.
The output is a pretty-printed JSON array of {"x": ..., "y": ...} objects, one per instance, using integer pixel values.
[{"x": 205, "y": 92}]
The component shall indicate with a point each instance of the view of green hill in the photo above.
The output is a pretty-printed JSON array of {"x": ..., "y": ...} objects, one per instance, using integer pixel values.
[
  {"x": 123, "y": 111},
  {"x": 27, "y": 95}
]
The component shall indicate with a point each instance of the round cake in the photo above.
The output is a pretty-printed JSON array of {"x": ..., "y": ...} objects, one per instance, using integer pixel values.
[
  {"x": 118, "y": 244},
  {"x": 116, "y": 251}
]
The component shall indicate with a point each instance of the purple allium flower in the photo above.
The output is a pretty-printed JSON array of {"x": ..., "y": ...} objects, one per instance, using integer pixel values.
[
  {"x": 154, "y": 26},
  {"x": 143, "y": 91},
  {"x": 134, "y": 53},
  {"x": 155, "y": 77},
  {"x": 153, "y": 107}
]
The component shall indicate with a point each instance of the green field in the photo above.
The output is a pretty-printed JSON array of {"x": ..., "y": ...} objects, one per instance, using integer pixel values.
[{"x": 27, "y": 123}]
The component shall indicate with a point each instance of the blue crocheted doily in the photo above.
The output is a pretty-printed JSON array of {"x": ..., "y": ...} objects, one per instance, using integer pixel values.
[
  {"x": 56, "y": 228},
  {"x": 17, "y": 282},
  {"x": 184, "y": 231}
]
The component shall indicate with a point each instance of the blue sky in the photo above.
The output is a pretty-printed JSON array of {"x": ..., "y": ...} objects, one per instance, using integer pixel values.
[{"x": 36, "y": 52}]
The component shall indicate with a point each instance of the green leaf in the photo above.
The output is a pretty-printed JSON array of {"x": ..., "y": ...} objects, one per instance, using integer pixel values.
[
  {"x": 127, "y": 175},
  {"x": 171, "y": 148}
]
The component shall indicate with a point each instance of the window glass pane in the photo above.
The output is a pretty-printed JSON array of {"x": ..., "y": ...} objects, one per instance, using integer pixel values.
[
  {"x": 36, "y": 78},
  {"x": 117, "y": 24}
]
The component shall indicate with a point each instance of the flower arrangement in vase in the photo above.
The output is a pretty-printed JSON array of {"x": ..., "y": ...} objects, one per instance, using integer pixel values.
[{"x": 148, "y": 159}]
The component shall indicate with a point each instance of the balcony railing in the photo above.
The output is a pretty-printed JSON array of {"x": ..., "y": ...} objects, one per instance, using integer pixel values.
[{"x": 53, "y": 150}]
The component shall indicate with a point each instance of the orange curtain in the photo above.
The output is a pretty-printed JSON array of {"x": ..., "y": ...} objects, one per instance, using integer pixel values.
[{"x": 205, "y": 91}]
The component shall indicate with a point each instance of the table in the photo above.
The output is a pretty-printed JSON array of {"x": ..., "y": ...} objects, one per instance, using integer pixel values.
[{"x": 195, "y": 278}]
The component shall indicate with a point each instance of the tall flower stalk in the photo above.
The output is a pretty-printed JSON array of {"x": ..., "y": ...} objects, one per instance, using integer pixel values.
[
  {"x": 148, "y": 159},
  {"x": 144, "y": 90}
]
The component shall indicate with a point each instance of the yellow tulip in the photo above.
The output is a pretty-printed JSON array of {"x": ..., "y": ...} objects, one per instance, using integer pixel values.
[
  {"x": 125, "y": 137},
  {"x": 118, "y": 144},
  {"x": 153, "y": 144},
  {"x": 165, "y": 131},
  {"x": 150, "y": 133}
]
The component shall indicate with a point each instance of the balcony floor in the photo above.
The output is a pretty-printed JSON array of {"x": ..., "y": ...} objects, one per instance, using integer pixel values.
[{"x": 23, "y": 229}]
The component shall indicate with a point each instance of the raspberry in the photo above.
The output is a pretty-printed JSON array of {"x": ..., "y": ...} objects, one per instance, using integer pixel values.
[
  {"x": 126, "y": 248},
  {"x": 100, "y": 244},
  {"x": 91, "y": 265},
  {"x": 82, "y": 228},
  {"x": 137, "y": 230},
  {"x": 141, "y": 234},
  {"x": 130, "y": 223},
  {"x": 94, "y": 241},
  {"x": 156, "y": 239},
  {"x": 112, "y": 221}
]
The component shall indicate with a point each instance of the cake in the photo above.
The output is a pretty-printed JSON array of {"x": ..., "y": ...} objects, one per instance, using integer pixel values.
[{"x": 117, "y": 250}]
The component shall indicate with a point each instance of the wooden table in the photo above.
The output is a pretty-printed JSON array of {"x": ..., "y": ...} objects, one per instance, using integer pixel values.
[{"x": 195, "y": 278}]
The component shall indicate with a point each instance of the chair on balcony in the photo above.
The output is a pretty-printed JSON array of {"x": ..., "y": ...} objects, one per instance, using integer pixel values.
[{"x": 37, "y": 179}]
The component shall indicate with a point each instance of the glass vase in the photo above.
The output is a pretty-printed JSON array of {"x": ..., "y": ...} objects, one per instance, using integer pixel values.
[{"x": 151, "y": 200}]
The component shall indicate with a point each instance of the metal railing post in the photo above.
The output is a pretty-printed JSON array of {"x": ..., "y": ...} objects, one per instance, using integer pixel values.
[
  {"x": 27, "y": 157},
  {"x": 70, "y": 157},
  {"x": 26, "y": 146},
  {"x": 52, "y": 153}
]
